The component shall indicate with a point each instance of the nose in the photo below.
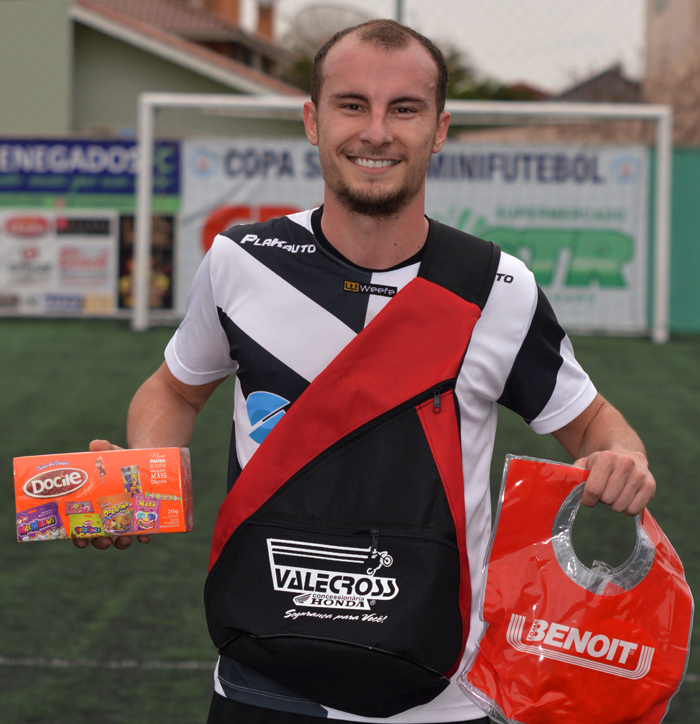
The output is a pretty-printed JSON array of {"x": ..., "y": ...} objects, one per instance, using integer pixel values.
[{"x": 376, "y": 131}]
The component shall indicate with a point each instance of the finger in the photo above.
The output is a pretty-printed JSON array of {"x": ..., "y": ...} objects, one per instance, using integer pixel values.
[
  {"x": 102, "y": 446},
  {"x": 81, "y": 542},
  {"x": 143, "y": 538},
  {"x": 122, "y": 542},
  {"x": 640, "y": 501},
  {"x": 639, "y": 490},
  {"x": 596, "y": 483},
  {"x": 619, "y": 481},
  {"x": 101, "y": 543}
]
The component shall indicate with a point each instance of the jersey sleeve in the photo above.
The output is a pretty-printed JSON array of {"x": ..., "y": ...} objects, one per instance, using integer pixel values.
[
  {"x": 521, "y": 357},
  {"x": 199, "y": 352},
  {"x": 546, "y": 386}
]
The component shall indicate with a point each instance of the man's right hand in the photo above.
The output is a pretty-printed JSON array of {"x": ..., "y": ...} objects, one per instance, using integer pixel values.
[{"x": 120, "y": 542}]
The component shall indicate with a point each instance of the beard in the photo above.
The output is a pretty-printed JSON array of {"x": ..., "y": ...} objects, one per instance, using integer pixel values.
[
  {"x": 375, "y": 204},
  {"x": 372, "y": 201}
]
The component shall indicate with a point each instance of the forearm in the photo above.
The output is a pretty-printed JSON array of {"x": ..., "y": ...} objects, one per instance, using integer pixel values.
[
  {"x": 600, "y": 428},
  {"x": 158, "y": 417},
  {"x": 610, "y": 431},
  {"x": 602, "y": 441},
  {"x": 164, "y": 410}
]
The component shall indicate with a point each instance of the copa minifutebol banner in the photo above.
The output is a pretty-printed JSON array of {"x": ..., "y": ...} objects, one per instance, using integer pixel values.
[{"x": 577, "y": 215}]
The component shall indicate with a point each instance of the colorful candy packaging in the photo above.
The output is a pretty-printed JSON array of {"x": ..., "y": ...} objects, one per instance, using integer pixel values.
[
  {"x": 40, "y": 523},
  {"x": 132, "y": 480},
  {"x": 116, "y": 514},
  {"x": 120, "y": 492},
  {"x": 86, "y": 525},
  {"x": 78, "y": 507},
  {"x": 146, "y": 513}
]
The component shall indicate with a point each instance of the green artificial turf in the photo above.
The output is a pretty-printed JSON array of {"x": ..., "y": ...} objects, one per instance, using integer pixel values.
[{"x": 66, "y": 382}]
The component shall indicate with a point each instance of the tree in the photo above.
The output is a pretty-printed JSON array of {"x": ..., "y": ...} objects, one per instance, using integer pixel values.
[{"x": 463, "y": 81}]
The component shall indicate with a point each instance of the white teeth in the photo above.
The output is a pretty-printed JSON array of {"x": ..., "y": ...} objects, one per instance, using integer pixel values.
[{"x": 373, "y": 162}]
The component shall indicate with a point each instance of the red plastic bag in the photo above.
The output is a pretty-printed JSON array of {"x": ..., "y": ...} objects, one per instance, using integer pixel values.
[{"x": 565, "y": 643}]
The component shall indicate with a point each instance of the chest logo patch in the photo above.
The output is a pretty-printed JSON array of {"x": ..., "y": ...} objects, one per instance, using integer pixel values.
[
  {"x": 265, "y": 410},
  {"x": 362, "y": 288}
]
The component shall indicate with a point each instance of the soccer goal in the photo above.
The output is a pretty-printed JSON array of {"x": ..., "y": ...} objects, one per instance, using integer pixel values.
[{"x": 573, "y": 215}]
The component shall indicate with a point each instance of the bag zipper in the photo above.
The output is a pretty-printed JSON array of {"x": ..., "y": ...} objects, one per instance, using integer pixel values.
[
  {"x": 374, "y": 533},
  {"x": 435, "y": 392}
]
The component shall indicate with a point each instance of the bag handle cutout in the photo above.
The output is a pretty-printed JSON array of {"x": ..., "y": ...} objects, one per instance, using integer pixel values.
[{"x": 602, "y": 579}]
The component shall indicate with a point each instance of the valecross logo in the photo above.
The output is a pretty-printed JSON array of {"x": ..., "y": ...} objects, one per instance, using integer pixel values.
[
  {"x": 360, "y": 288},
  {"x": 332, "y": 583}
]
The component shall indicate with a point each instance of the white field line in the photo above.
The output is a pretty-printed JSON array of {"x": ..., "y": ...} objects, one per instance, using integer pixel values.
[{"x": 95, "y": 664}]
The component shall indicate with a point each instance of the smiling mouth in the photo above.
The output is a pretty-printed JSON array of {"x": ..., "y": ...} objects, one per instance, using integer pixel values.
[{"x": 374, "y": 162}]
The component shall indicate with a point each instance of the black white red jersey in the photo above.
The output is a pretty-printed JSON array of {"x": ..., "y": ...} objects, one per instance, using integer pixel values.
[{"x": 273, "y": 304}]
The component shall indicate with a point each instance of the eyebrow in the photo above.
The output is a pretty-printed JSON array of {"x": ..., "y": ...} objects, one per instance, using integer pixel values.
[{"x": 360, "y": 97}]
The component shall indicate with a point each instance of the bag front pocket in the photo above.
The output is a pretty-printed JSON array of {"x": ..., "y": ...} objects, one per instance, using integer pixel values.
[{"x": 365, "y": 621}]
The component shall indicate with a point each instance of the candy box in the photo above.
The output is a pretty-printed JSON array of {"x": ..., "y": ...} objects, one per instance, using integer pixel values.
[{"x": 89, "y": 494}]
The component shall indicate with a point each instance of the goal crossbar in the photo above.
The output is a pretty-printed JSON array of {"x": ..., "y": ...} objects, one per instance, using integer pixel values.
[{"x": 462, "y": 113}]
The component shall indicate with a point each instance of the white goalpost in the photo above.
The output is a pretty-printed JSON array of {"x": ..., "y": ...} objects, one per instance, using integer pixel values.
[{"x": 463, "y": 112}]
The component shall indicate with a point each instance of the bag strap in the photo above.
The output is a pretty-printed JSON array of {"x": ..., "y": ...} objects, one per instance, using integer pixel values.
[{"x": 460, "y": 262}]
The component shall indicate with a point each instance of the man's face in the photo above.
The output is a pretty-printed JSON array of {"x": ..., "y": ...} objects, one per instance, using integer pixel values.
[{"x": 376, "y": 125}]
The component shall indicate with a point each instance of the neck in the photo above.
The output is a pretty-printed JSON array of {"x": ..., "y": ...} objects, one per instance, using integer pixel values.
[{"x": 375, "y": 243}]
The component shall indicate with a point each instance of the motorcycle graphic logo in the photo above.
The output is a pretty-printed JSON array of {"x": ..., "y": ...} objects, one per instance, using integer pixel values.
[{"x": 330, "y": 576}]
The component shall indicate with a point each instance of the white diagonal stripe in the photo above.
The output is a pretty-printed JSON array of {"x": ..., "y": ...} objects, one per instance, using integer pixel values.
[{"x": 285, "y": 322}]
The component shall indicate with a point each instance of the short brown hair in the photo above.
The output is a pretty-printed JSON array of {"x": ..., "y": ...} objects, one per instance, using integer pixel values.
[{"x": 389, "y": 35}]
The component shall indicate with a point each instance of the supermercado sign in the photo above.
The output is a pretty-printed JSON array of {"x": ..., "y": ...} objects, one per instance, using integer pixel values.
[{"x": 576, "y": 215}]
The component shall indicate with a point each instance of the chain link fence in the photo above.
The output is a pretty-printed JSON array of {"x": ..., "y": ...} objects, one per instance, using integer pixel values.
[{"x": 548, "y": 44}]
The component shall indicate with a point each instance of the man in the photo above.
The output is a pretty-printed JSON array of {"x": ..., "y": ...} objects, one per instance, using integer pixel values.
[{"x": 278, "y": 320}]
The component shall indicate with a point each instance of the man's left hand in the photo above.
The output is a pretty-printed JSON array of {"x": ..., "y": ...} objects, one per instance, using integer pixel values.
[{"x": 618, "y": 478}]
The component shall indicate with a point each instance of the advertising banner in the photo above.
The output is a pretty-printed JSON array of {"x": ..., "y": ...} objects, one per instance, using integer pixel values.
[
  {"x": 73, "y": 166},
  {"x": 61, "y": 263},
  {"x": 43, "y": 182},
  {"x": 576, "y": 215}
]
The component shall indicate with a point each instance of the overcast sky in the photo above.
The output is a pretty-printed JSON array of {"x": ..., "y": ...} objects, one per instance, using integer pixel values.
[{"x": 548, "y": 43}]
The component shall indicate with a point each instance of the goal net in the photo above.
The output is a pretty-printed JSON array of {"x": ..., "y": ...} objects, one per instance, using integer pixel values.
[{"x": 580, "y": 192}]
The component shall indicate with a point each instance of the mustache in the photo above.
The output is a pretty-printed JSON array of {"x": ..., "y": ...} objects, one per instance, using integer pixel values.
[{"x": 374, "y": 155}]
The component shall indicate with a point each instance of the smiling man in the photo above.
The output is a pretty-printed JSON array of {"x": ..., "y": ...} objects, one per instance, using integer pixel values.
[
  {"x": 376, "y": 115},
  {"x": 369, "y": 363}
]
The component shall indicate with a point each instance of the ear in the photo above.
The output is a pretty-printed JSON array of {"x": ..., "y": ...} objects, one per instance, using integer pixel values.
[
  {"x": 441, "y": 131},
  {"x": 310, "y": 123}
]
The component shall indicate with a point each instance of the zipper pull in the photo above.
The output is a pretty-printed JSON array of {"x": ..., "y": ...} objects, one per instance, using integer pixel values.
[
  {"x": 375, "y": 539},
  {"x": 436, "y": 401}
]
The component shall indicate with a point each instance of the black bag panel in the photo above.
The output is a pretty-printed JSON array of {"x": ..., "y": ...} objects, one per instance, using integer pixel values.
[
  {"x": 326, "y": 615},
  {"x": 368, "y": 588},
  {"x": 352, "y": 678},
  {"x": 357, "y": 552},
  {"x": 369, "y": 477}
]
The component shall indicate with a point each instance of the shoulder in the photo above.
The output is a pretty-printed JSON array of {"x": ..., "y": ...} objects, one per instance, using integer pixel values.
[
  {"x": 288, "y": 233},
  {"x": 289, "y": 228},
  {"x": 513, "y": 295}
]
